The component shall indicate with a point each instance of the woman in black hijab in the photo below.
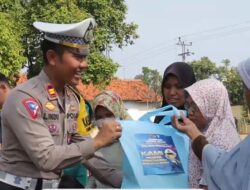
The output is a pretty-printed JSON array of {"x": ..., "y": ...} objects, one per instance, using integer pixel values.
[{"x": 176, "y": 77}]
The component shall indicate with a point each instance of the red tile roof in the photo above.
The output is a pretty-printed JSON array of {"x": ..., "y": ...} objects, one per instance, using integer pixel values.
[
  {"x": 21, "y": 79},
  {"x": 129, "y": 90}
]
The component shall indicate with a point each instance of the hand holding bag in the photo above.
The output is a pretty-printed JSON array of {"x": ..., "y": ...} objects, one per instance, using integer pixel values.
[{"x": 155, "y": 155}]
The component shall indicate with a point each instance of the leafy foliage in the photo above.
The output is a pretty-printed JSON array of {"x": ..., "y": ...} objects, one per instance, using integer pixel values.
[
  {"x": 58, "y": 11},
  {"x": 204, "y": 68},
  {"x": 100, "y": 70},
  {"x": 231, "y": 79},
  {"x": 152, "y": 78},
  {"x": 11, "y": 48},
  {"x": 111, "y": 30}
]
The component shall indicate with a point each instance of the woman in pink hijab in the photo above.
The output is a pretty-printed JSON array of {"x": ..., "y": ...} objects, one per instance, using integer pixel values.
[
  {"x": 222, "y": 169},
  {"x": 209, "y": 108}
]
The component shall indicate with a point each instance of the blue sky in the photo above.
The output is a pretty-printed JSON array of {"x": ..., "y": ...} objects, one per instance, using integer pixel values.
[{"x": 218, "y": 29}]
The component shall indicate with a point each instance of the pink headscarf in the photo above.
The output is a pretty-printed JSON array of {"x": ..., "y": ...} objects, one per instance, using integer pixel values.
[{"x": 211, "y": 97}]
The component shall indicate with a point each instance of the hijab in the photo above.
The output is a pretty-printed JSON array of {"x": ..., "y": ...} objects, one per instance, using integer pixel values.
[
  {"x": 229, "y": 170},
  {"x": 184, "y": 73},
  {"x": 111, "y": 101},
  {"x": 114, "y": 152},
  {"x": 244, "y": 71},
  {"x": 212, "y": 99}
]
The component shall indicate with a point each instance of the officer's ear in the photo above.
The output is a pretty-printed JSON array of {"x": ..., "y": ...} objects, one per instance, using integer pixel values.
[{"x": 52, "y": 57}]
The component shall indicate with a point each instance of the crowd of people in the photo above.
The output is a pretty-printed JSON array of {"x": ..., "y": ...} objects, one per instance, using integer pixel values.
[{"x": 52, "y": 138}]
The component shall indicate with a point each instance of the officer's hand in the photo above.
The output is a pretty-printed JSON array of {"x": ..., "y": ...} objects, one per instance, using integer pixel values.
[
  {"x": 110, "y": 131},
  {"x": 187, "y": 126}
]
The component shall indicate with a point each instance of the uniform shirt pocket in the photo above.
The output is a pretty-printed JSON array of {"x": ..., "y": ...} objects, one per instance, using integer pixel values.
[
  {"x": 72, "y": 127},
  {"x": 72, "y": 122}
]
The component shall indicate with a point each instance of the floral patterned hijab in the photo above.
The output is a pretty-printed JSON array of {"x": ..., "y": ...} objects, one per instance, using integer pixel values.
[
  {"x": 211, "y": 97},
  {"x": 229, "y": 170},
  {"x": 113, "y": 103}
]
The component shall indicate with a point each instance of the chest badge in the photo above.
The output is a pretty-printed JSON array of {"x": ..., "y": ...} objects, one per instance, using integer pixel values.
[{"x": 50, "y": 106}]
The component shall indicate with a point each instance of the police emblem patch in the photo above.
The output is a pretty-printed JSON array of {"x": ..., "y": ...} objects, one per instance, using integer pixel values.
[
  {"x": 53, "y": 128},
  {"x": 31, "y": 106},
  {"x": 50, "y": 106}
]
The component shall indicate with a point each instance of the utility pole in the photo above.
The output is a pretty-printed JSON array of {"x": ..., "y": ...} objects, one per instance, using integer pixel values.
[{"x": 183, "y": 47}]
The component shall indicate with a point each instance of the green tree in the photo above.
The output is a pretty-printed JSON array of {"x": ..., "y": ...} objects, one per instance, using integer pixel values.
[
  {"x": 58, "y": 11},
  {"x": 111, "y": 30},
  {"x": 100, "y": 70},
  {"x": 11, "y": 48},
  {"x": 110, "y": 16},
  {"x": 152, "y": 78},
  {"x": 204, "y": 68},
  {"x": 20, "y": 42},
  {"x": 231, "y": 79}
]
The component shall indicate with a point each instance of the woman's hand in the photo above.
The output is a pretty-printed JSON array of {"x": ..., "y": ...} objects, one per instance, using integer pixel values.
[{"x": 187, "y": 126}]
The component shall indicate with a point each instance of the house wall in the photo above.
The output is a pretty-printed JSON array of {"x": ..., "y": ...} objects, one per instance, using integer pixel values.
[
  {"x": 137, "y": 109},
  {"x": 142, "y": 106}
]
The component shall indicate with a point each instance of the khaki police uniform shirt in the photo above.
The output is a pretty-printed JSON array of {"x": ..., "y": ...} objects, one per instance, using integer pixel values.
[{"x": 36, "y": 123}]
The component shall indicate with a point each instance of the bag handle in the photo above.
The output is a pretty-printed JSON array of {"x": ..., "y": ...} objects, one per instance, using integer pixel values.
[{"x": 162, "y": 112}]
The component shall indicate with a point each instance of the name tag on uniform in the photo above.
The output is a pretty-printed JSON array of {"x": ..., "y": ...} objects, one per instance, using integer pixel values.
[
  {"x": 72, "y": 115},
  {"x": 51, "y": 116}
]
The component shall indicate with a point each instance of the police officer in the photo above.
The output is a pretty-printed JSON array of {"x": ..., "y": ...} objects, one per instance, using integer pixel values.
[{"x": 39, "y": 116}]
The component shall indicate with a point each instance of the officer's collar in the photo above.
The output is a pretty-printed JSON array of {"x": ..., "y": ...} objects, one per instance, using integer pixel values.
[
  {"x": 44, "y": 77},
  {"x": 49, "y": 88}
]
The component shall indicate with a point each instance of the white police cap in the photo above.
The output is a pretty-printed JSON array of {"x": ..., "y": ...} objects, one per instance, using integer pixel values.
[{"x": 77, "y": 35}]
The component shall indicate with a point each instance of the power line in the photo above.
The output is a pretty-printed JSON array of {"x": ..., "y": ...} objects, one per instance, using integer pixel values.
[
  {"x": 150, "y": 49},
  {"x": 163, "y": 48},
  {"x": 139, "y": 60},
  {"x": 215, "y": 29},
  {"x": 183, "y": 45},
  {"x": 221, "y": 34},
  {"x": 202, "y": 34},
  {"x": 197, "y": 39}
]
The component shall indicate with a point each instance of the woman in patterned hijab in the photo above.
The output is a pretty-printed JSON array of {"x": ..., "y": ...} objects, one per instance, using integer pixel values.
[
  {"x": 209, "y": 108},
  {"x": 109, "y": 104}
]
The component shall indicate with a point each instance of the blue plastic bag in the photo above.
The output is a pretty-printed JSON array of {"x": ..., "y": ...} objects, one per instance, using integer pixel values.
[{"x": 155, "y": 155}]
